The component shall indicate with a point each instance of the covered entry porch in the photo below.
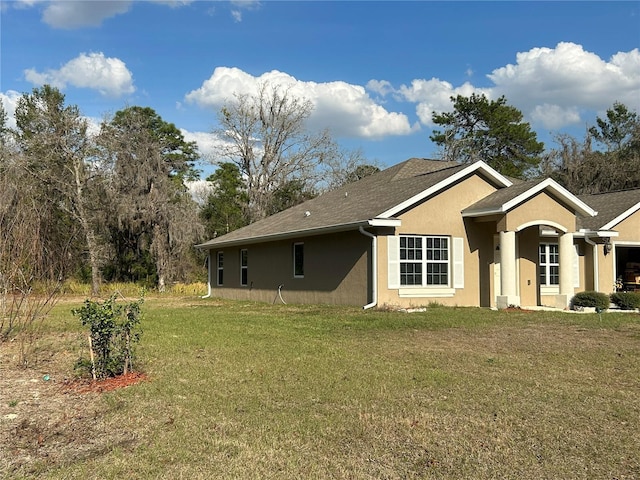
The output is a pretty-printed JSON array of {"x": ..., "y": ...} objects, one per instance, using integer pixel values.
[{"x": 536, "y": 258}]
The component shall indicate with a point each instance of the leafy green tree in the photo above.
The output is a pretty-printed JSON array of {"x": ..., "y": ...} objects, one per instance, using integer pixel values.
[
  {"x": 152, "y": 216},
  {"x": 620, "y": 131},
  {"x": 224, "y": 208},
  {"x": 488, "y": 130},
  {"x": 292, "y": 193}
]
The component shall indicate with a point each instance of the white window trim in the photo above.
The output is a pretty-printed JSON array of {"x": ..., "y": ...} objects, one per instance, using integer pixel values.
[
  {"x": 455, "y": 271},
  {"x": 550, "y": 286},
  {"x": 294, "y": 260}
]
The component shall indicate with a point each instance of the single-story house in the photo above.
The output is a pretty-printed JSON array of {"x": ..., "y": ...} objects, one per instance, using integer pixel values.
[{"x": 429, "y": 231}]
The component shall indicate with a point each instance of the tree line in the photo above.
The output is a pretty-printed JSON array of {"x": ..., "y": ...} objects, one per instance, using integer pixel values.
[{"x": 114, "y": 205}]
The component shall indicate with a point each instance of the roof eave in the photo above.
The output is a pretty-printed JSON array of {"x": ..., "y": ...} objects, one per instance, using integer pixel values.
[{"x": 343, "y": 227}]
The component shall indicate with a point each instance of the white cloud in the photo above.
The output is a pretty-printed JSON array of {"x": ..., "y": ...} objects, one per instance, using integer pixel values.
[
  {"x": 109, "y": 76},
  {"x": 238, "y": 6},
  {"x": 551, "y": 86},
  {"x": 555, "y": 116},
  {"x": 344, "y": 108},
  {"x": 208, "y": 143},
  {"x": 434, "y": 95},
  {"x": 567, "y": 77},
  {"x": 9, "y": 101},
  {"x": 67, "y": 15}
]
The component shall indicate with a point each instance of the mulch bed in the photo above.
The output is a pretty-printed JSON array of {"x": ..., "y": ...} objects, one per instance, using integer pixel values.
[{"x": 105, "y": 385}]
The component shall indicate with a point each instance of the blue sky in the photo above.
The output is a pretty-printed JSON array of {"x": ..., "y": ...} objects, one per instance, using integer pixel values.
[{"x": 375, "y": 71}]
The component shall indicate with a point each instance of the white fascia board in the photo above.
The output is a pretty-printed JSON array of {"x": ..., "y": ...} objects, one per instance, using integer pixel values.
[
  {"x": 596, "y": 233},
  {"x": 385, "y": 222},
  {"x": 622, "y": 216},
  {"x": 479, "y": 165}
]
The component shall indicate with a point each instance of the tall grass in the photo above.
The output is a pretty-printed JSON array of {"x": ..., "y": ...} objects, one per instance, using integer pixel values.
[{"x": 243, "y": 390}]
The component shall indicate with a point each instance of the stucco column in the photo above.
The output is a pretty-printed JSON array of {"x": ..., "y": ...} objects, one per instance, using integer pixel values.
[
  {"x": 508, "y": 273},
  {"x": 566, "y": 252}
]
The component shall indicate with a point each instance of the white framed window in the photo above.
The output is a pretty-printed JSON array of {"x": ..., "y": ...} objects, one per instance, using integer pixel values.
[
  {"x": 549, "y": 264},
  {"x": 425, "y": 265},
  {"x": 220, "y": 268},
  {"x": 424, "y": 261},
  {"x": 244, "y": 267},
  {"x": 298, "y": 260}
]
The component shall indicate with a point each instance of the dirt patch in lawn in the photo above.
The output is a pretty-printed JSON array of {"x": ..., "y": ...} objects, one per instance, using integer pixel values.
[{"x": 48, "y": 416}]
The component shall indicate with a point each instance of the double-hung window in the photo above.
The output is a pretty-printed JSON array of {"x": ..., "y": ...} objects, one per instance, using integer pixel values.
[
  {"x": 244, "y": 267},
  {"x": 220, "y": 267},
  {"x": 424, "y": 260},
  {"x": 549, "y": 264}
]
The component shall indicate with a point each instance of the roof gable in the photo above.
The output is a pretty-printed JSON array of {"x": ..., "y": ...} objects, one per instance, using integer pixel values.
[{"x": 506, "y": 199}]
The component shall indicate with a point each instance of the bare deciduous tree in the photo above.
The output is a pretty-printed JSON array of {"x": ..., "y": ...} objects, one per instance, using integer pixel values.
[
  {"x": 268, "y": 140},
  {"x": 53, "y": 137}
]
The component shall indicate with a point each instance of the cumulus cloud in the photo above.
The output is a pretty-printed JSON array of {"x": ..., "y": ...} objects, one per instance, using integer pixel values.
[
  {"x": 68, "y": 15},
  {"x": 109, "y": 76},
  {"x": 208, "y": 143},
  {"x": 434, "y": 95},
  {"x": 9, "y": 99},
  {"x": 344, "y": 108},
  {"x": 65, "y": 14},
  {"x": 549, "y": 84}
]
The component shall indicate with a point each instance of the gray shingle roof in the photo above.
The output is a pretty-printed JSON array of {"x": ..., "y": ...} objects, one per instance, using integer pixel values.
[
  {"x": 609, "y": 206},
  {"x": 501, "y": 196},
  {"x": 348, "y": 206}
]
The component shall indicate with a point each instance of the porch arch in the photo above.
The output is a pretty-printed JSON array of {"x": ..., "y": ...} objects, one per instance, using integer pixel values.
[{"x": 548, "y": 223}]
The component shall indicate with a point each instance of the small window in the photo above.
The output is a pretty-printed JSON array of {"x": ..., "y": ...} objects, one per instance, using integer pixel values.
[
  {"x": 220, "y": 269},
  {"x": 298, "y": 260},
  {"x": 244, "y": 267}
]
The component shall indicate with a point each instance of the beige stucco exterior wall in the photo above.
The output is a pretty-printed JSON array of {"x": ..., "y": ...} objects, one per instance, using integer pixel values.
[
  {"x": 528, "y": 241},
  {"x": 441, "y": 215},
  {"x": 335, "y": 271},
  {"x": 542, "y": 208}
]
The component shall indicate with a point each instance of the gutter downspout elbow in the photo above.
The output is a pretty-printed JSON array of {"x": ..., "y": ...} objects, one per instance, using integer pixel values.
[
  {"x": 208, "y": 276},
  {"x": 596, "y": 270},
  {"x": 374, "y": 268}
]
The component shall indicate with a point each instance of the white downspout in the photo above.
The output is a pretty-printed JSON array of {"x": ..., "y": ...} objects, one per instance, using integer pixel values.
[
  {"x": 374, "y": 268},
  {"x": 208, "y": 276},
  {"x": 595, "y": 263}
]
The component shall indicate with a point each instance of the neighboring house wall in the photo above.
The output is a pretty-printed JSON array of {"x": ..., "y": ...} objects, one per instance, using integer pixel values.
[
  {"x": 335, "y": 271},
  {"x": 440, "y": 215}
]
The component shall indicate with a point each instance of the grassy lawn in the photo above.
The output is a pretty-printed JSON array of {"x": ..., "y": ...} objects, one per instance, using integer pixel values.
[{"x": 240, "y": 390}]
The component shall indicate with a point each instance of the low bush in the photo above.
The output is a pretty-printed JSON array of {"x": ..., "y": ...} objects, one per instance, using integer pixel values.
[
  {"x": 591, "y": 299},
  {"x": 626, "y": 300},
  {"x": 113, "y": 333}
]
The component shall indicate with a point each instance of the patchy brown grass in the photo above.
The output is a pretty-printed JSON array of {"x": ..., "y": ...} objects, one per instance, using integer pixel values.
[{"x": 241, "y": 390}]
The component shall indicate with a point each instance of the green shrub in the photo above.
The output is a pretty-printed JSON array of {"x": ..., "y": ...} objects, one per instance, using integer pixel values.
[
  {"x": 591, "y": 299},
  {"x": 112, "y": 336},
  {"x": 626, "y": 300}
]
